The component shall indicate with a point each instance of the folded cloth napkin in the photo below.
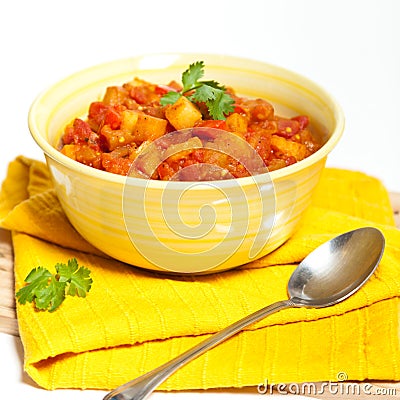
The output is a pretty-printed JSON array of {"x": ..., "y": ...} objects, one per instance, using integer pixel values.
[{"x": 133, "y": 320}]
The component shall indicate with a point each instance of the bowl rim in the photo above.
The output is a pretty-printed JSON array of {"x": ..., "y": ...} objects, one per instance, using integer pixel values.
[{"x": 53, "y": 153}]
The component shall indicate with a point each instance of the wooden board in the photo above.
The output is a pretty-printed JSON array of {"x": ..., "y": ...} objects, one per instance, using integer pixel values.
[
  {"x": 8, "y": 318},
  {"x": 395, "y": 199}
]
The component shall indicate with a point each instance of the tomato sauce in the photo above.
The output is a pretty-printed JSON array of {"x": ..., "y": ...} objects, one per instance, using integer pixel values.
[{"x": 130, "y": 117}]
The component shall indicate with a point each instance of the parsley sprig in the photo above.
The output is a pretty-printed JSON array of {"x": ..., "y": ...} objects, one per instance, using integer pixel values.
[
  {"x": 48, "y": 290},
  {"x": 213, "y": 94}
]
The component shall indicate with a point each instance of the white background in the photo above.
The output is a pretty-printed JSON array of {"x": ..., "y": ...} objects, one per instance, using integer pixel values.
[{"x": 350, "y": 47}]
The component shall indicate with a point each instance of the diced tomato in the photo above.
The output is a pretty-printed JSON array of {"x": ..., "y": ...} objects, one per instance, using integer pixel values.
[
  {"x": 290, "y": 160},
  {"x": 79, "y": 132},
  {"x": 116, "y": 165},
  {"x": 261, "y": 112},
  {"x": 288, "y": 127},
  {"x": 112, "y": 118},
  {"x": 238, "y": 109},
  {"x": 198, "y": 155},
  {"x": 208, "y": 134},
  {"x": 164, "y": 89},
  {"x": 144, "y": 94},
  {"x": 97, "y": 111},
  {"x": 97, "y": 108},
  {"x": 169, "y": 128},
  {"x": 257, "y": 109},
  {"x": 213, "y": 123},
  {"x": 165, "y": 171},
  {"x": 303, "y": 121},
  {"x": 101, "y": 114}
]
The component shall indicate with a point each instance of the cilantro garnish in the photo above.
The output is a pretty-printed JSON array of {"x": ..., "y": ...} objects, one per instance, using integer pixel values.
[
  {"x": 48, "y": 290},
  {"x": 214, "y": 95}
]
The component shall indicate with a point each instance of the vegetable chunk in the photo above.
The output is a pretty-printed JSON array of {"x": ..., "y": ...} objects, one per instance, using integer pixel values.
[
  {"x": 289, "y": 148},
  {"x": 182, "y": 114},
  {"x": 119, "y": 131},
  {"x": 142, "y": 126}
]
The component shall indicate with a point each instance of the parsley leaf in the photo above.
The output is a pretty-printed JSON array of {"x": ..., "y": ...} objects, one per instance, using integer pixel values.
[
  {"x": 78, "y": 278},
  {"x": 51, "y": 296},
  {"x": 214, "y": 85},
  {"x": 48, "y": 290},
  {"x": 170, "y": 98},
  {"x": 192, "y": 75},
  {"x": 217, "y": 101},
  {"x": 203, "y": 94},
  {"x": 213, "y": 94},
  {"x": 37, "y": 280},
  {"x": 221, "y": 104}
]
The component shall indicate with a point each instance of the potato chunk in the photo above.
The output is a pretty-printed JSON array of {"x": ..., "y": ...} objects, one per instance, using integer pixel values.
[
  {"x": 289, "y": 148},
  {"x": 237, "y": 124},
  {"x": 129, "y": 120},
  {"x": 114, "y": 138},
  {"x": 115, "y": 95},
  {"x": 143, "y": 127},
  {"x": 182, "y": 114},
  {"x": 69, "y": 150},
  {"x": 149, "y": 128}
]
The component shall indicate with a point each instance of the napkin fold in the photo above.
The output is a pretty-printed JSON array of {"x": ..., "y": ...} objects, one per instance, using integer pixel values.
[{"x": 133, "y": 320}]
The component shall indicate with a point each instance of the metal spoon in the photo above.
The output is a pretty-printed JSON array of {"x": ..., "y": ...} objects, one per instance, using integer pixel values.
[{"x": 330, "y": 274}]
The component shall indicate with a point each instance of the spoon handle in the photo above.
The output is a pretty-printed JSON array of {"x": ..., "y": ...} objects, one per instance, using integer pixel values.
[{"x": 141, "y": 387}]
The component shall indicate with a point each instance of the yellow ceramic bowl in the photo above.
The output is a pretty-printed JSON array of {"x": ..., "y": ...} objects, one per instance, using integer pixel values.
[{"x": 185, "y": 227}]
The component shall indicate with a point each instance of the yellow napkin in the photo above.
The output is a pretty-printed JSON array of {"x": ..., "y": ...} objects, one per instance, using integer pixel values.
[{"x": 133, "y": 320}]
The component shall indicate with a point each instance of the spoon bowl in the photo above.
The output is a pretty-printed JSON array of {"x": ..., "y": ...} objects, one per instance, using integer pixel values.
[
  {"x": 330, "y": 274},
  {"x": 337, "y": 269}
]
